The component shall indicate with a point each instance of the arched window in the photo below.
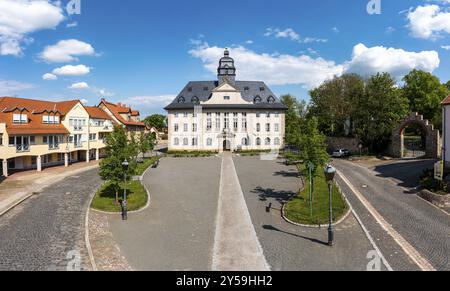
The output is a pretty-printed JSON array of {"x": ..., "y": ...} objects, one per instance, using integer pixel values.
[
  {"x": 185, "y": 142},
  {"x": 271, "y": 100},
  {"x": 258, "y": 141},
  {"x": 209, "y": 142},
  {"x": 268, "y": 141},
  {"x": 277, "y": 141},
  {"x": 195, "y": 100},
  {"x": 194, "y": 141},
  {"x": 176, "y": 141},
  {"x": 245, "y": 141},
  {"x": 258, "y": 127},
  {"x": 257, "y": 100},
  {"x": 181, "y": 100}
]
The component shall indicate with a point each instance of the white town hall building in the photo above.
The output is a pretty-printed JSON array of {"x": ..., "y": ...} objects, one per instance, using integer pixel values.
[{"x": 226, "y": 115}]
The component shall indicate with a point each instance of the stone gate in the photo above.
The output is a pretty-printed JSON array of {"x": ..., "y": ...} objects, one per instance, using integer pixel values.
[{"x": 433, "y": 138}]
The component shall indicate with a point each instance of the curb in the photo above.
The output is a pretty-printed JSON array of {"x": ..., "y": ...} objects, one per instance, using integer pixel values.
[
  {"x": 27, "y": 196},
  {"x": 129, "y": 212},
  {"x": 86, "y": 232},
  {"x": 320, "y": 226}
]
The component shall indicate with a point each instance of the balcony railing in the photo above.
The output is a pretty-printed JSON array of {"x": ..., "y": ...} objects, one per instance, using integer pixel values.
[
  {"x": 22, "y": 148},
  {"x": 78, "y": 145}
]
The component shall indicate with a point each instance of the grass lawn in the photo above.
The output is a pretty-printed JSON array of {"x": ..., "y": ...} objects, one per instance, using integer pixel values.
[
  {"x": 105, "y": 197},
  {"x": 142, "y": 167},
  {"x": 298, "y": 210}
]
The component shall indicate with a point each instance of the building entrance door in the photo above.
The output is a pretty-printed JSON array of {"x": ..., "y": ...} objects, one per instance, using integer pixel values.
[{"x": 226, "y": 146}]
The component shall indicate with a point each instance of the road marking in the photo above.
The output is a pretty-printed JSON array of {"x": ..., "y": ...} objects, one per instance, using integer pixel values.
[
  {"x": 417, "y": 258},
  {"x": 236, "y": 245}
]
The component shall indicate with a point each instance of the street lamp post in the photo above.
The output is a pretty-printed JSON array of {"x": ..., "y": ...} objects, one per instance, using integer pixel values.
[
  {"x": 125, "y": 166},
  {"x": 330, "y": 172}
]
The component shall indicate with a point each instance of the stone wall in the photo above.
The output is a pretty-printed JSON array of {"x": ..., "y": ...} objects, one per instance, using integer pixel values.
[
  {"x": 433, "y": 137},
  {"x": 351, "y": 144}
]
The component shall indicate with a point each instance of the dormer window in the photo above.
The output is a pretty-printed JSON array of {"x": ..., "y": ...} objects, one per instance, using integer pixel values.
[
  {"x": 257, "y": 100},
  {"x": 271, "y": 100},
  {"x": 262, "y": 89},
  {"x": 246, "y": 89},
  {"x": 190, "y": 89},
  {"x": 50, "y": 119},
  {"x": 195, "y": 100},
  {"x": 181, "y": 100},
  {"x": 227, "y": 98},
  {"x": 20, "y": 118}
]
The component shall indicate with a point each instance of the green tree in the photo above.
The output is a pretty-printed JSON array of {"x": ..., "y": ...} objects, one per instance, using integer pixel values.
[
  {"x": 146, "y": 143},
  {"x": 312, "y": 145},
  {"x": 118, "y": 149},
  {"x": 425, "y": 93},
  {"x": 447, "y": 85},
  {"x": 157, "y": 121},
  {"x": 333, "y": 104},
  {"x": 294, "y": 118},
  {"x": 377, "y": 112}
]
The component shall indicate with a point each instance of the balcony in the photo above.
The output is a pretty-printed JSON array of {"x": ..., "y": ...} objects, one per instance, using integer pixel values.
[
  {"x": 22, "y": 148},
  {"x": 78, "y": 145},
  {"x": 78, "y": 128}
]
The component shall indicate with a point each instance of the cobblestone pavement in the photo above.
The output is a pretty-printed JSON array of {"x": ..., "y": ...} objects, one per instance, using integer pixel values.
[
  {"x": 177, "y": 231},
  {"x": 41, "y": 233},
  {"x": 289, "y": 247},
  {"x": 390, "y": 189},
  {"x": 107, "y": 254}
]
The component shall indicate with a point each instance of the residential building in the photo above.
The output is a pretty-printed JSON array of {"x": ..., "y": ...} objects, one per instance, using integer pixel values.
[
  {"x": 226, "y": 115},
  {"x": 124, "y": 116},
  {"x": 36, "y": 134}
]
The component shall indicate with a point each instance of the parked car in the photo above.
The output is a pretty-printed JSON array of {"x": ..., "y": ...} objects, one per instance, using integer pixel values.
[{"x": 341, "y": 153}]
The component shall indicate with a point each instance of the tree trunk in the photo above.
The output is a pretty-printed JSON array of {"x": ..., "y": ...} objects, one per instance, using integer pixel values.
[{"x": 117, "y": 197}]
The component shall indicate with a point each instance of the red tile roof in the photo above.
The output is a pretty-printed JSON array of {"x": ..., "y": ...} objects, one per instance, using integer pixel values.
[
  {"x": 98, "y": 113},
  {"x": 118, "y": 109},
  {"x": 34, "y": 109},
  {"x": 446, "y": 101}
]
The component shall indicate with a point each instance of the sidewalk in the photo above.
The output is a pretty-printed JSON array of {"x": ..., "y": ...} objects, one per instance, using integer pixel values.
[{"x": 20, "y": 186}]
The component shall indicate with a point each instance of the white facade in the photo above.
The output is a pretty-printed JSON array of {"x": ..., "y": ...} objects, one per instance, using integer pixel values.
[
  {"x": 226, "y": 122},
  {"x": 446, "y": 137}
]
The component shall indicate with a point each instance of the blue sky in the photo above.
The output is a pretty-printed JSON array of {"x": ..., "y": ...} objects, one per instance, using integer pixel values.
[{"x": 143, "y": 52}]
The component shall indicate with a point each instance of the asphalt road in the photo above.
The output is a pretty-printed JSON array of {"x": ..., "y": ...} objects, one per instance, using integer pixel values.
[
  {"x": 41, "y": 233},
  {"x": 390, "y": 188},
  {"x": 177, "y": 231},
  {"x": 288, "y": 247}
]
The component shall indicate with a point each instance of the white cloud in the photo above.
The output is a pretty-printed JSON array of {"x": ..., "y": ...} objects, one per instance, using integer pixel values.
[
  {"x": 79, "y": 86},
  {"x": 8, "y": 87},
  {"x": 66, "y": 51},
  {"x": 308, "y": 71},
  {"x": 398, "y": 62},
  {"x": 335, "y": 29},
  {"x": 18, "y": 18},
  {"x": 428, "y": 22},
  {"x": 70, "y": 70},
  {"x": 390, "y": 29},
  {"x": 72, "y": 24},
  {"x": 291, "y": 34},
  {"x": 149, "y": 104},
  {"x": 150, "y": 101},
  {"x": 273, "y": 69},
  {"x": 103, "y": 92},
  {"x": 49, "y": 77},
  {"x": 446, "y": 47}
]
